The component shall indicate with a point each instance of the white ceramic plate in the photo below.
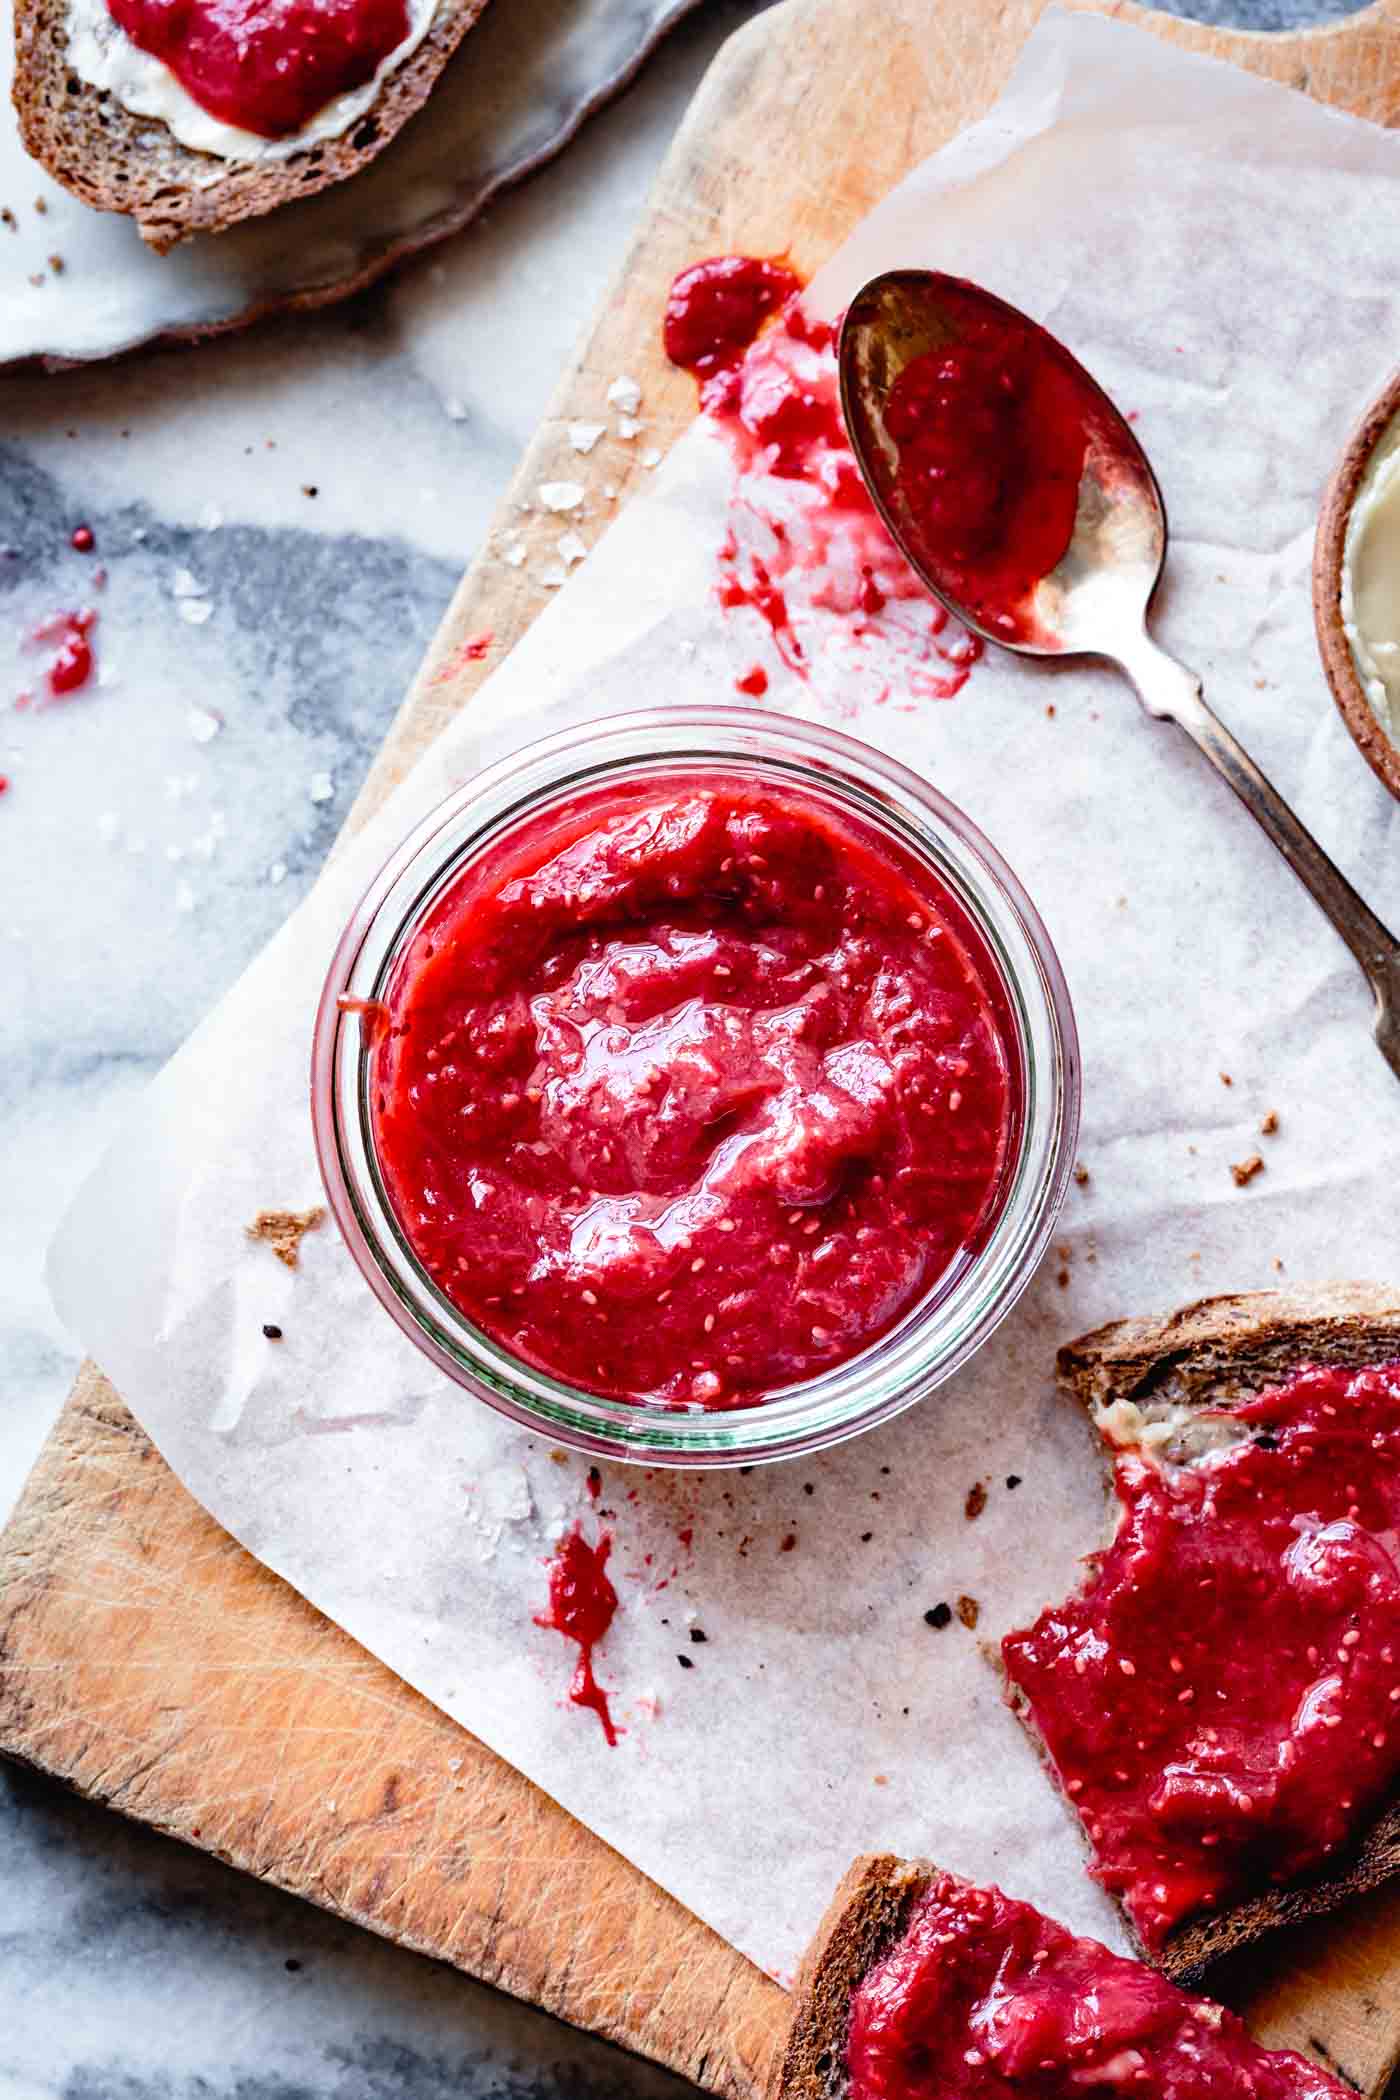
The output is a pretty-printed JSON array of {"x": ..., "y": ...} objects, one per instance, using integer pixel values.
[{"x": 520, "y": 85}]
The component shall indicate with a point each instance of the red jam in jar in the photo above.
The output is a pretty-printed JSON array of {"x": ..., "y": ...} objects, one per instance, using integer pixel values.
[
  {"x": 982, "y": 1998},
  {"x": 1221, "y": 1701},
  {"x": 692, "y": 1087},
  {"x": 266, "y": 66}
]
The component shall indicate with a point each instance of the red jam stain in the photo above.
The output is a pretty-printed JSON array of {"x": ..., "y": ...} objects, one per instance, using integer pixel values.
[
  {"x": 714, "y": 311},
  {"x": 993, "y": 429},
  {"x": 983, "y": 1998},
  {"x": 266, "y": 66},
  {"x": 582, "y": 1605},
  {"x": 692, "y": 1088},
  {"x": 82, "y": 540},
  {"x": 806, "y": 551},
  {"x": 1222, "y": 1699},
  {"x": 71, "y": 665},
  {"x": 472, "y": 651}
]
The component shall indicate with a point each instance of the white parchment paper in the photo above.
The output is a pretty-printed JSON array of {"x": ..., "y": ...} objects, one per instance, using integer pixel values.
[{"x": 1225, "y": 255}]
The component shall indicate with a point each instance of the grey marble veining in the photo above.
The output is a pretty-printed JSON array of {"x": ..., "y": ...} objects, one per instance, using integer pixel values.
[{"x": 143, "y": 860}]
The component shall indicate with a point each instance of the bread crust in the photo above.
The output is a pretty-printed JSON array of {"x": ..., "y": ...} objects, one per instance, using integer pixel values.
[
  {"x": 1217, "y": 1353},
  {"x": 866, "y": 1915},
  {"x": 116, "y": 161}
]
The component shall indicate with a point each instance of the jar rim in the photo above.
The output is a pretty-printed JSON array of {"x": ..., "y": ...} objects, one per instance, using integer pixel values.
[{"x": 941, "y": 1329}]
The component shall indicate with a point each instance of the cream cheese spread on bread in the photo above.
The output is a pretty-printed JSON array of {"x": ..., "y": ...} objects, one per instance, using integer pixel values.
[{"x": 101, "y": 53}]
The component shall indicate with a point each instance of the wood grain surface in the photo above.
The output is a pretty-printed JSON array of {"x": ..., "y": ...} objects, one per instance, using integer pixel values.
[{"x": 149, "y": 1662}]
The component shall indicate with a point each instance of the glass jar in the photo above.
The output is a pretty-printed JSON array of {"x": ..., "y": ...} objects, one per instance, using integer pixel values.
[{"x": 939, "y": 1331}]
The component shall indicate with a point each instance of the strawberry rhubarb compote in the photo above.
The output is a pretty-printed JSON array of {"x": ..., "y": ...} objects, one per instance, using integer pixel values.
[
  {"x": 983, "y": 1998},
  {"x": 691, "y": 1088},
  {"x": 1221, "y": 1699}
]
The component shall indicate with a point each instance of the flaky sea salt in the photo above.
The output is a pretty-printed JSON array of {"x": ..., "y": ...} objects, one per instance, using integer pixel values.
[
  {"x": 625, "y": 395},
  {"x": 185, "y": 584},
  {"x": 561, "y": 495},
  {"x": 628, "y": 426},
  {"x": 572, "y": 548},
  {"x": 195, "y": 610},
  {"x": 321, "y": 788},
  {"x": 584, "y": 436},
  {"x": 203, "y": 725},
  {"x": 553, "y": 576},
  {"x": 651, "y": 458}
]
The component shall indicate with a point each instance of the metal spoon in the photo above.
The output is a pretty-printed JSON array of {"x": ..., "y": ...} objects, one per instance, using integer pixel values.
[{"x": 1095, "y": 600}]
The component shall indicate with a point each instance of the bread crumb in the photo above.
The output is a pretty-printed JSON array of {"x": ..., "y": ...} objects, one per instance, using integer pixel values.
[
  {"x": 880, "y": 1779},
  {"x": 284, "y": 1231},
  {"x": 1062, "y": 1278},
  {"x": 1244, "y": 1170},
  {"x": 969, "y": 1611},
  {"x": 1081, "y": 1173},
  {"x": 1226, "y": 1080},
  {"x": 1269, "y": 1124},
  {"x": 976, "y": 1500}
]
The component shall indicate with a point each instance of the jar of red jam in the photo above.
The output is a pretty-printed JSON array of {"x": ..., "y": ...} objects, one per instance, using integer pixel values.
[{"x": 698, "y": 1088}]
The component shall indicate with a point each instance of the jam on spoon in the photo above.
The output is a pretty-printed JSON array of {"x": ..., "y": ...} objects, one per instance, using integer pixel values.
[{"x": 1021, "y": 496}]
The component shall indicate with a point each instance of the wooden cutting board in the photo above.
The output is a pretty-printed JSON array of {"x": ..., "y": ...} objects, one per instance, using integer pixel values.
[{"x": 146, "y": 1660}]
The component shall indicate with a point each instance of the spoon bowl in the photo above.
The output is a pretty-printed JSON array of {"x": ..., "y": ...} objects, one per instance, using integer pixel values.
[
  {"x": 1103, "y": 581},
  {"x": 1020, "y": 496}
]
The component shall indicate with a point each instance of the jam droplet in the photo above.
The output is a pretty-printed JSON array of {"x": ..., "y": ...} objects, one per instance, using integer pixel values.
[
  {"x": 715, "y": 310},
  {"x": 71, "y": 664},
  {"x": 582, "y": 1606}
]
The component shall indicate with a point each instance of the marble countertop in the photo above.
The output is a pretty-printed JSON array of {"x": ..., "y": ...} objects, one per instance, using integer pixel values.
[{"x": 153, "y": 837}]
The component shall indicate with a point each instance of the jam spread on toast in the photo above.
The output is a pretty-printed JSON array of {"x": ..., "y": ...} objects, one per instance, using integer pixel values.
[
  {"x": 982, "y": 1998},
  {"x": 266, "y": 66},
  {"x": 1221, "y": 1700}
]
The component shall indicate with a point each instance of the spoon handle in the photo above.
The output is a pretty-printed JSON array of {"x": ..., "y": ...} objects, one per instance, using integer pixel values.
[{"x": 1172, "y": 693}]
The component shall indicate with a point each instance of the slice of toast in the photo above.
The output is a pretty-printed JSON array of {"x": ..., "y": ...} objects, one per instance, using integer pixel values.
[
  {"x": 116, "y": 161},
  {"x": 1210, "y": 1356},
  {"x": 862, "y": 1921},
  {"x": 872, "y": 1912}
]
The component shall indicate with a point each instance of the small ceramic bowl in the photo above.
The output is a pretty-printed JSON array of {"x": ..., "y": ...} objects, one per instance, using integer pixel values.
[{"x": 1329, "y": 576}]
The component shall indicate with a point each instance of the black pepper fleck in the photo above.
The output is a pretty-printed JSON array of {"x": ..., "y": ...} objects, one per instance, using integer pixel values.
[
  {"x": 698, "y": 1634},
  {"x": 1013, "y": 1480},
  {"x": 866, "y": 1537},
  {"x": 274, "y": 1334},
  {"x": 939, "y": 1617},
  {"x": 686, "y": 1662},
  {"x": 291, "y": 1964}
]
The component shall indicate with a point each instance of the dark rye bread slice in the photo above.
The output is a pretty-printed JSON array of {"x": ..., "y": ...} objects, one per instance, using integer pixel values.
[
  {"x": 863, "y": 1919},
  {"x": 1212, "y": 1355},
  {"x": 116, "y": 161}
]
